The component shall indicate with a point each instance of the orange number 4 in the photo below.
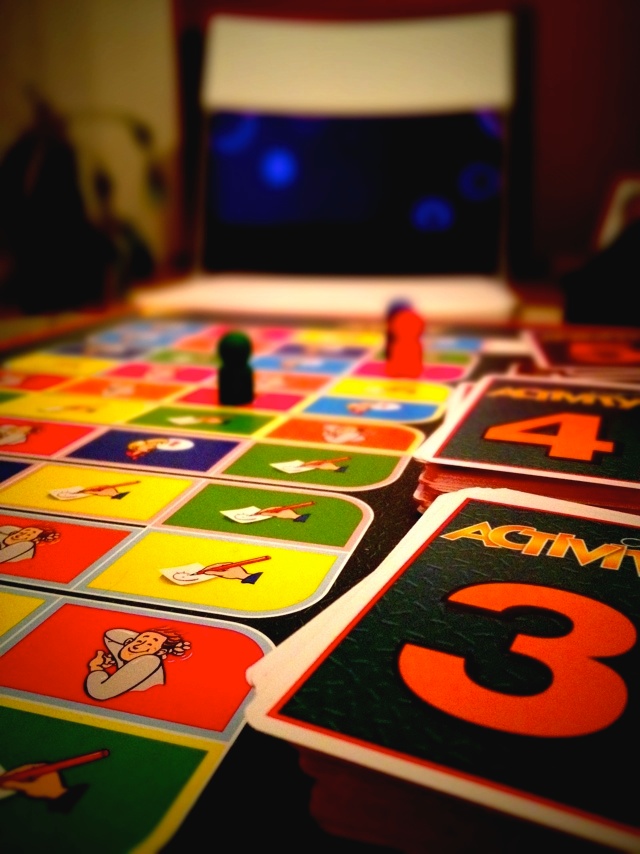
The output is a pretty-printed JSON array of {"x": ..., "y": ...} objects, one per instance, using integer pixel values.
[{"x": 576, "y": 436}]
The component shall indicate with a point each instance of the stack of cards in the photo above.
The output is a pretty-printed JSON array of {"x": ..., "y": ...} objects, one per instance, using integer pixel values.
[
  {"x": 611, "y": 353},
  {"x": 479, "y": 689},
  {"x": 571, "y": 438}
]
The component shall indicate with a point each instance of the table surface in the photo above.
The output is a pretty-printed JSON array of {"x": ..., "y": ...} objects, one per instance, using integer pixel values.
[{"x": 243, "y": 781}]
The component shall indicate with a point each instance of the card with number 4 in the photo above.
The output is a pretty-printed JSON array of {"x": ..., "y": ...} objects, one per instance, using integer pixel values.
[{"x": 572, "y": 429}]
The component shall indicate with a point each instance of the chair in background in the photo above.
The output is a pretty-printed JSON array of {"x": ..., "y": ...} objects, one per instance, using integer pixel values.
[{"x": 350, "y": 164}]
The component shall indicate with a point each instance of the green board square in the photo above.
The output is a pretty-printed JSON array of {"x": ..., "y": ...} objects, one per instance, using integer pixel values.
[
  {"x": 360, "y": 469},
  {"x": 330, "y": 521},
  {"x": 121, "y": 799},
  {"x": 235, "y": 423}
]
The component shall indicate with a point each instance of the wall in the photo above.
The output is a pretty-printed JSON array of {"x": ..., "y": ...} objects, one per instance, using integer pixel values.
[{"x": 94, "y": 61}]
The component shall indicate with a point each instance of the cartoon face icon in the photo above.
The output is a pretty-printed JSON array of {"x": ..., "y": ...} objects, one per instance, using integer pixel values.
[
  {"x": 146, "y": 643},
  {"x": 27, "y": 534},
  {"x": 15, "y": 434}
]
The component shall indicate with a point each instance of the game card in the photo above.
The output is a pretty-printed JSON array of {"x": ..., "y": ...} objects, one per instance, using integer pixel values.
[
  {"x": 578, "y": 430},
  {"x": 496, "y": 642},
  {"x": 600, "y": 351}
]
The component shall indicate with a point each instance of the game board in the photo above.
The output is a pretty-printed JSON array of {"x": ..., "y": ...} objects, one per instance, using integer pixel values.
[{"x": 135, "y": 504}]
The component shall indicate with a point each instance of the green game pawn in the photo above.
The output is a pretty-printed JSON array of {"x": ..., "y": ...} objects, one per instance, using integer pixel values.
[{"x": 235, "y": 374}]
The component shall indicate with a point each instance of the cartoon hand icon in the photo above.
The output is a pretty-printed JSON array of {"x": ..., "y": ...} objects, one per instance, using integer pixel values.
[
  {"x": 181, "y": 648},
  {"x": 48, "y": 786},
  {"x": 101, "y": 661}
]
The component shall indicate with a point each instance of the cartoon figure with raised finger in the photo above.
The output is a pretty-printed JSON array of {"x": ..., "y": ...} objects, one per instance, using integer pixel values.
[
  {"x": 16, "y": 434},
  {"x": 19, "y": 543},
  {"x": 134, "y": 661}
]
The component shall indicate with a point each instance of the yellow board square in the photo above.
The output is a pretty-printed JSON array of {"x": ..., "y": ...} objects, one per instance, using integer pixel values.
[
  {"x": 143, "y": 499},
  {"x": 14, "y": 607},
  {"x": 288, "y": 578},
  {"x": 392, "y": 389},
  {"x": 357, "y": 337},
  {"x": 46, "y": 362},
  {"x": 75, "y": 407}
]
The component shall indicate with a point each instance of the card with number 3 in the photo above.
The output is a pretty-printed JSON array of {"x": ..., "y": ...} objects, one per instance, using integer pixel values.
[{"x": 493, "y": 656}]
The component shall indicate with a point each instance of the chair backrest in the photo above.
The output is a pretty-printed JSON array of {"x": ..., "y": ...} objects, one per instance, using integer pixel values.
[
  {"x": 365, "y": 68},
  {"x": 358, "y": 149}
]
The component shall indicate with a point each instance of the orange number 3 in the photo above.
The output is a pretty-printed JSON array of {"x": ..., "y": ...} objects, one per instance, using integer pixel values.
[{"x": 584, "y": 696}]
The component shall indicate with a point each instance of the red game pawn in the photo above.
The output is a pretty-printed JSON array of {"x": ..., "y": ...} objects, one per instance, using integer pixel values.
[
  {"x": 235, "y": 374},
  {"x": 392, "y": 309},
  {"x": 404, "y": 344}
]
